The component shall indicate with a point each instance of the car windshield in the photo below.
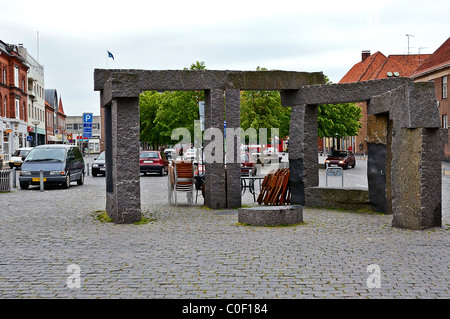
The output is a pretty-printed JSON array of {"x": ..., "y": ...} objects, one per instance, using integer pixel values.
[
  {"x": 101, "y": 156},
  {"x": 46, "y": 154},
  {"x": 149, "y": 155},
  {"x": 339, "y": 154},
  {"x": 21, "y": 153}
]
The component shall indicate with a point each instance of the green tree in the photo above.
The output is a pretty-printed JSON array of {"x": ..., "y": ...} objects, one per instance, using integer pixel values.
[
  {"x": 149, "y": 102},
  {"x": 262, "y": 109},
  {"x": 338, "y": 120},
  {"x": 161, "y": 113}
]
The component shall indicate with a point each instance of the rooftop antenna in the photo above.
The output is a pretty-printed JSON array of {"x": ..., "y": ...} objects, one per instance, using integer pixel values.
[
  {"x": 420, "y": 48},
  {"x": 409, "y": 35}
]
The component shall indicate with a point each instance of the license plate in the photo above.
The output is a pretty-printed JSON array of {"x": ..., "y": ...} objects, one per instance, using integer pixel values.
[
  {"x": 148, "y": 162},
  {"x": 37, "y": 179},
  {"x": 102, "y": 168},
  {"x": 16, "y": 163}
]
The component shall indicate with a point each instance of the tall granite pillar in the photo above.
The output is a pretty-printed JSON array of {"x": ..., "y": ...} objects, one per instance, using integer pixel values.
[
  {"x": 414, "y": 159},
  {"x": 296, "y": 162},
  {"x": 123, "y": 201},
  {"x": 377, "y": 164},
  {"x": 416, "y": 174},
  {"x": 233, "y": 150},
  {"x": 215, "y": 187},
  {"x": 310, "y": 150}
]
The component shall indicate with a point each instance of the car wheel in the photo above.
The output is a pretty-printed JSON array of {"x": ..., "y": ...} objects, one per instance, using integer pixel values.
[
  {"x": 162, "y": 171},
  {"x": 94, "y": 174},
  {"x": 24, "y": 185},
  {"x": 81, "y": 180},
  {"x": 67, "y": 182},
  {"x": 354, "y": 164}
]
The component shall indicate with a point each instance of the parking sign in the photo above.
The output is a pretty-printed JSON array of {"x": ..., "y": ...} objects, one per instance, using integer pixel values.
[{"x": 87, "y": 117}]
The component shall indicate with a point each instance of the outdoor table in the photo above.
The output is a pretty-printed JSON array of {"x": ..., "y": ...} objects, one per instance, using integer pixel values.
[{"x": 249, "y": 182}]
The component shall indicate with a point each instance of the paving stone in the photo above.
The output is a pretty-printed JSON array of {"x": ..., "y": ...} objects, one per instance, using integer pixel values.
[{"x": 192, "y": 252}]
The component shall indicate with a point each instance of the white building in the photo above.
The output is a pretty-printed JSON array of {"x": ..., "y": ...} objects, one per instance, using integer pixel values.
[{"x": 36, "y": 99}]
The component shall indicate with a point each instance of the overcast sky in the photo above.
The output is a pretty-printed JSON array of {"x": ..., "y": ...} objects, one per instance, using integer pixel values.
[{"x": 315, "y": 35}]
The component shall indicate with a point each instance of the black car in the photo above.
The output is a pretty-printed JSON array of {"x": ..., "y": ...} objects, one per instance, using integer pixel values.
[
  {"x": 98, "y": 167},
  {"x": 60, "y": 163}
]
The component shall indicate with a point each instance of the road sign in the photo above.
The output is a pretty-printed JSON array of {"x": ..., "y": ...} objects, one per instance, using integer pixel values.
[
  {"x": 30, "y": 138},
  {"x": 87, "y": 117},
  {"x": 334, "y": 171},
  {"x": 87, "y": 125}
]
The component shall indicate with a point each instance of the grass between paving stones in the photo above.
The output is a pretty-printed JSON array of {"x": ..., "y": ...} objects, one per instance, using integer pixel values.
[
  {"x": 273, "y": 226},
  {"x": 102, "y": 216}
]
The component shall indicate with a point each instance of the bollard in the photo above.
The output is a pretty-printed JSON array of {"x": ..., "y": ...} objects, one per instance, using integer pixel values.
[
  {"x": 87, "y": 168},
  {"x": 14, "y": 177},
  {"x": 41, "y": 180}
]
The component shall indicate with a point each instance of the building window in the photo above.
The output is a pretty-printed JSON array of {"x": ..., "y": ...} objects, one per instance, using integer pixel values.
[
  {"x": 4, "y": 76},
  {"x": 444, "y": 87},
  {"x": 17, "y": 108},
  {"x": 16, "y": 76},
  {"x": 444, "y": 121}
]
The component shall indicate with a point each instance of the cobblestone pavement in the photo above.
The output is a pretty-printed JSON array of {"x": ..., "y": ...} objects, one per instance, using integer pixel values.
[{"x": 193, "y": 252}]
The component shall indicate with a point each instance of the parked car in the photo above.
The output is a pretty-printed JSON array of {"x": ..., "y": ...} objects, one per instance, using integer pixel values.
[
  {"x": 19, "y": 156},
  {"x": 153, "y": 162},
  {"x": 342, "y": 159},
  {"x": 60, "y": 163},
  {"x": 98, "y": 166},
  {"x": 248, "y": 166}
]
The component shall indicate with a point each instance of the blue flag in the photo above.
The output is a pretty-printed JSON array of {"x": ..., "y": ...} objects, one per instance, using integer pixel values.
[{"x": 110, "y": 55}]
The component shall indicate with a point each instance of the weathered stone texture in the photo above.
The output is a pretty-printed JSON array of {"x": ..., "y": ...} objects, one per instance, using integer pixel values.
[
  {"x": 233, "y": 143},
  {"x": 416, "y": 196},
  {"x": 406, "y": 127},
  {"x": 338, "y": 198},
  {"x": 215, "y": 182},
  {"x": 271, "y": 215},
  {"x": 123, "y": 202}
]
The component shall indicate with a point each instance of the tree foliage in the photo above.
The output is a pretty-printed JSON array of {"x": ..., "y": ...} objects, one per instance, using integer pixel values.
[
  {"x": 262, "y": 109},
  {"x": 338, "y": 119},
  {"x": 161, "y": 113}
]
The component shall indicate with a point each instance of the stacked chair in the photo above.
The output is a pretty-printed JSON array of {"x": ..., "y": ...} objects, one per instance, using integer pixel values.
[
  {"x": 275, "y": 188},
  {"x": 181, "y": 179}
]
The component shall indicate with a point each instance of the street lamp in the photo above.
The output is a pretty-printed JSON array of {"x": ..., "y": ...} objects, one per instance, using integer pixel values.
[{"x": 35, "y": 123}]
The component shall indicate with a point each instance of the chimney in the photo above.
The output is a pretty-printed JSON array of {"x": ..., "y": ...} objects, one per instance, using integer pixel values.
[{"x": 365, "y": 54}]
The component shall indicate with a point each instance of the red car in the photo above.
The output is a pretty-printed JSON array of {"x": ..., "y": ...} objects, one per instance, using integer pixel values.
[
  {"x": 153, "y": 162},
  {"x": 342, "y": 159},
  {"x": 248, "y": 166}
]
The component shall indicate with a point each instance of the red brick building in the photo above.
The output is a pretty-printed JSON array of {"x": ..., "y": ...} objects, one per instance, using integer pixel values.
[
  {"x": 13, "y": 100},
  {"x": 49, "y": 124},
  {"x": 60, "y": 123},
  {"x": 437, "y": 69},
  {"x": 378, "y": 66}
]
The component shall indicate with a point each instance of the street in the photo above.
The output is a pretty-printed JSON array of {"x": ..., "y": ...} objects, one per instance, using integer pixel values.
[{"x": 195, "y": 252}]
